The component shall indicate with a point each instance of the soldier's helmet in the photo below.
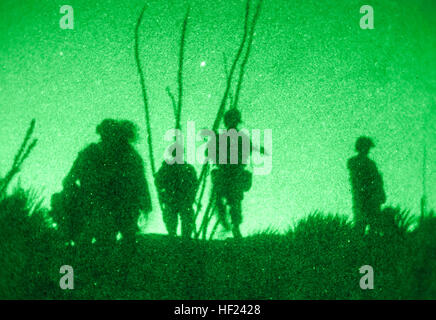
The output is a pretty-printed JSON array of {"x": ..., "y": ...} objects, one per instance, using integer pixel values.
[
  {"x": 363, "y": 144},
  {"x": 232, "y": 118},
  {"x": 117, "y": 130}
]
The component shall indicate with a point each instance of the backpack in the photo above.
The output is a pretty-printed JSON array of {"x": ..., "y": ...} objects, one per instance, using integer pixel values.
[{"x": 241, "y": 178}]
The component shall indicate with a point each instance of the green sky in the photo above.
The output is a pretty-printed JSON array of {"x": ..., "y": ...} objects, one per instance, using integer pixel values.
[{"x": 314, "y": 77}]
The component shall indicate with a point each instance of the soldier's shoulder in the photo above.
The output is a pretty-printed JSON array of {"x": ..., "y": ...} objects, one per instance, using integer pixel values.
[
  {"x": 135, "y": 154},
  {"x": 352, "y": 161},
  {"x": 372, "y": 163},
  {"x": 90, "y": 149},
  {"x": 163, "y": 168},
  {"x": 91, "y": 146},
  {"x": 190, "y": 168}
]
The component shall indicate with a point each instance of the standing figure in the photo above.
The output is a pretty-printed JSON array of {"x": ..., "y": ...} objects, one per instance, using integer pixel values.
[
  {"x": 177, "y": 185},
  {"x": 109, "y": 177},
  {"x": 366, "y": 186},
  {"x": 230, "y": 179}
]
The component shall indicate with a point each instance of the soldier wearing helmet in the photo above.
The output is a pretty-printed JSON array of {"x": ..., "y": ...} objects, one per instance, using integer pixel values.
[
  {"x": 110, "y": 179},
  {"x": 176, "y": 182},
  {"x": 230, "y": 179},
  {"x": 366, "y": 186}
]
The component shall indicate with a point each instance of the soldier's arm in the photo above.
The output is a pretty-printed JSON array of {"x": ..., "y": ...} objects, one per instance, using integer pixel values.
[
  {"x": 84, "y": 158},
  {"x": 74, "y": 173},
  {"x": 352, "y": 173},
  {"x": 379, "y": 185}
]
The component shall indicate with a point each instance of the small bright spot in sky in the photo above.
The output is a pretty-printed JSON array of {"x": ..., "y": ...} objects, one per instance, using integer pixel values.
[
  {"x": 61, "y": 53},
  {"x": 203, "y": 63}
]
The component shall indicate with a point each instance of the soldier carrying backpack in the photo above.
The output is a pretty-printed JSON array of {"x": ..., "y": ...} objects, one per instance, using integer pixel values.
[
  {"x": 230, "y": 179},
  {"x": 177, "y": 184}
]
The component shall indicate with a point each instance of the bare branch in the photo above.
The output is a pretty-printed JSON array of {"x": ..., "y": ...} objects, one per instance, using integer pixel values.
[
  {"x": 226, "y": 72},
  {"x": 247, "y": 54},
  {"x": 221, "y": 108},
  {"x": 22, "y": 154},
  {"x": 180, "y": 71},
  {"x": 144, "y": 92},
  {"x": 19, "y": 154},
  {"x": 247, "y": 31},
  {"x": 173, "y": 101}
]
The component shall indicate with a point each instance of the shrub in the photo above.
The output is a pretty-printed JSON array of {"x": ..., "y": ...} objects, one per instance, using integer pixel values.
[{"x": 26, "y": 243}]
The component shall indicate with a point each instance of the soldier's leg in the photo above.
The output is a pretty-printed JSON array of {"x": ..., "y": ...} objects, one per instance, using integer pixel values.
[
  {"x": 170, "y": 219},
  {"x": 187, "y": 215},
  {"x": 107, "y": 230},
  {"x": 128, "y": 247},
  {"x": 360, "y": 227},
  {"x": 359, "y": 221},
  {"x": 236, "y": 214},
  {"x": 222, "y": 212},
  {"x": 219, "y": 187},
  {"x": 373, "y": 216},
  {"x": 128, "y": 230},
  {"x": 102, "y": 249}
]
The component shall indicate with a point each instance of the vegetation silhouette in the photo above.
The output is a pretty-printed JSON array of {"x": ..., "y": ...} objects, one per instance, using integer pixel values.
[
  {"x": 319, "y": 258},
  {"x": 21, "y": 155}
]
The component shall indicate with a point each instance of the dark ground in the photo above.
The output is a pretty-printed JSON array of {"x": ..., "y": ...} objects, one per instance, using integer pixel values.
[{"x": 318, "y": 259}]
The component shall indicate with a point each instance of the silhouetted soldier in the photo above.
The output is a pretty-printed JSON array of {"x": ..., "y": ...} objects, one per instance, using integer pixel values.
[
  {"x": 230, "y": 179},
  {"x": 366, "y": 186},
  {"x": 109, "y": 176},
  {"x": 177, "y": 185}
]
